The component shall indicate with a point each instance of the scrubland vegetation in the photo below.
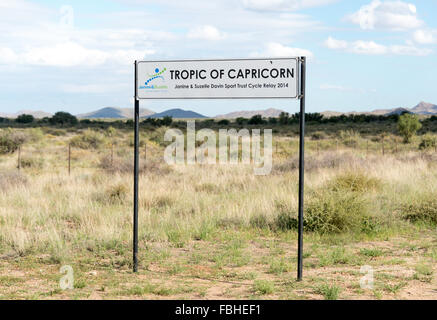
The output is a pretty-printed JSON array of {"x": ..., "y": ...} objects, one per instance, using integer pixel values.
[{"x": 219, "y": 231}]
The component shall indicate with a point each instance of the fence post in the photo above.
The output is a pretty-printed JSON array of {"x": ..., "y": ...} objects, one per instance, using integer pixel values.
[
  {"x": 383, "y": 150},
  {"x": 112, "y": 155},
  {"x": 19, "y": 158},
  {"x": 69, "y": 158},
  {"x": 367, "y": 148}
]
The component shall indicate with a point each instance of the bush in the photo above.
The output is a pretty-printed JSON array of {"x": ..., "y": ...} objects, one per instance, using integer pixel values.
[
  {"x": 223, "y": 122},
  {"x": 25, "y": 118},
  {"x": 354, "y": 182},
  {"x": 273, "y": 120},
  {"x": 259, "y": 221},
  {"x": 330, "y": 212},
  {"x": 89, "y": 139},
  {"x": 318, "y": 135},
  {"x": 284, "y": 118},
  {"x": 408, "y": 125},
  {"x": 428, "y": 142},
  {"x": 424, "y": 210},
  {"x": 126, "y": 165},
  {"x": 286, "y": 221},
  {"x": 350, "y": 138},
  {"x": 257, "y": 119},
  {"x": 11, "y": 140},
  {"x": 31, "y": 162},
  {"x": 336, "y": 212},
  {"x": 240, "y": 120},
  {"x": 35, "y": 135},
  {"x": 10, "y": 179},
  {"x": 115, "y": 194},
  {"x": 55, "y": 132},
  {"x": 63, "y": 118}
]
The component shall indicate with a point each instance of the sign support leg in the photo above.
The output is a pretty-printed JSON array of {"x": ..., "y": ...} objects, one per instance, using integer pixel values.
[
  {"x": 301, "y": 169},
  {"x": 136, "y": 167}
]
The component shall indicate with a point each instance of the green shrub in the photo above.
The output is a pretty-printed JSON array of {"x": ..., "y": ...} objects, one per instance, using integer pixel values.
[
  {"x": 331, "y": 212},
  {"x": 259, "y": 221},
  {"x": 117, "y": 194},
  {"x": 286, "y": 218},
  {"x": 11, "y": 140},
  {"x": 336, "y": 212},
  {"x": 263, "y": 287},
  {"x": 10, "y": 179},
  {"x": 89, "y": 139},
  {"x": 113, "y": 195},
  {"x": 286, "y": 221},
  {"x": 424, "y": 210},
  {"x": 318, "y": 135},
  {"x": 428, "y": 142},
  {"x": 223, "y": 122},
  {"x": 329, "y": 292},
  {"x": 54, "y": 132},
  {"x": 32, "y": 162},
  {"x": 25, "y": 118},
  {"x": 63, "y": 118},
  {"x": 408, "y": 125},
  {"x": 350, "y": 138},
  {"x": 355, "y": 182}
]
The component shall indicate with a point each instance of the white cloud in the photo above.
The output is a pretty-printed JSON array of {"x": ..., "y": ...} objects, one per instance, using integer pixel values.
[
  {"x": 283, "y": 5},
  {"x": 389, "y": 15},
  {"x": 367, "y": 47},
  {"x": 373, "y": 48},
  {"x": 7, "y": 55},
  {"x": 69, "y": 54},
  {"x": 92, "y": 88},
  {"x": 205, "y": 33},
  {"x": 410, "y": 50},
  {"x": 274, "y": 49},
  {"x": 332, "y": 43},
  {"x": 333, "y": 87},
  {"x": 425, "y": 36}
]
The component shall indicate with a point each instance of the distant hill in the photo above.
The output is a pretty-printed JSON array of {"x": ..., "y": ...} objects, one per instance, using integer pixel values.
[
  {"x": 177, "y": 114},
  {"x": 114, "y": 113},
  {"x": 248, "y": 114},
  {"x": 398, "y": 111},
  {"x": 425, "y": 108},
  {"x": 36, "y": 114}
]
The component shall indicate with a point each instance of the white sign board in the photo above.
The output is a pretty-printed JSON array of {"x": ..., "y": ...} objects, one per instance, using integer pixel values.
[{"x": 216, "y": 79}]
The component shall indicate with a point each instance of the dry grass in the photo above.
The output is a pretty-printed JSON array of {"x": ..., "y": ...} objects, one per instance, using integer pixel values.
[{"x": 44, "y": 211}]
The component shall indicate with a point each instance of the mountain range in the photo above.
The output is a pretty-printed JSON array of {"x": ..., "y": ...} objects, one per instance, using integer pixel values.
[
  {"x": 114, "y": 113},
  {"x": 36, "y": 114},
  {"x": 248, "y": 114},
  {"x": 177, "y": 114},
  {"x": 423, "y": 108}
]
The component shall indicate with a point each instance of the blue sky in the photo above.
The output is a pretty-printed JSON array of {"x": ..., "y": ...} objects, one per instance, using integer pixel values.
[{"x": 77, "y": 56}]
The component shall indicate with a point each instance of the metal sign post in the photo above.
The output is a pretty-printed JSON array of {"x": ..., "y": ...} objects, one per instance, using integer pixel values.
[
  {"x": 222, "y": 79},
  {"x": 301, "y": 167},
  {"x": 136, "y": 169}
]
